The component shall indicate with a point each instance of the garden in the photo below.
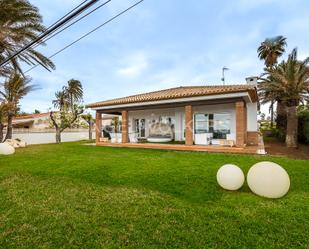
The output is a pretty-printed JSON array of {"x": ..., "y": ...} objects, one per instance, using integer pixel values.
[{"x": 73, "y": 195}]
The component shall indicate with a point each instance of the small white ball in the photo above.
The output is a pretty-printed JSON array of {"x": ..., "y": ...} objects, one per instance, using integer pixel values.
[
  {"x": 230, "y": 177},
  {"x": 6, "y": 149},
  {"x": 268, "y": 179}
]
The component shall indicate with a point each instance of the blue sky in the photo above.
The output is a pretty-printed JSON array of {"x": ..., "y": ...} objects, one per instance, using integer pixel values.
[{"x": 164, "y": 43}]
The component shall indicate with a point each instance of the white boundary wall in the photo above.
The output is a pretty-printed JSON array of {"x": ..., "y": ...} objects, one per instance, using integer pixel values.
[{"x": 50, "y": 137}]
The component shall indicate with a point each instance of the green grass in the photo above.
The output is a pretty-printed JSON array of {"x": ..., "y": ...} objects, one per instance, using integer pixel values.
[{"x": 77, "y": 196}]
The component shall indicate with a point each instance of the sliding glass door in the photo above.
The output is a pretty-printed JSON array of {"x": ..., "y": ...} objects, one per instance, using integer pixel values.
[
  {"x": 139, "y": 127},
  {"x": 201, "y": 123},
  {"x": 219, "y": 124}
]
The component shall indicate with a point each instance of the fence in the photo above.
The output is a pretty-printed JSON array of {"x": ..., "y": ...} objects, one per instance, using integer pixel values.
[{"x": 46, "y": 136}]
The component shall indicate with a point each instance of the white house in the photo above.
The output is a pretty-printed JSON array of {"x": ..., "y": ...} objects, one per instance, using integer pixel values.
[{"x": 196, "y": 115}]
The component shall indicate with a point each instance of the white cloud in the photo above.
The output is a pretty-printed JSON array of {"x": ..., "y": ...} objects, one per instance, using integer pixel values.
[{"x": 135, "y": 65}]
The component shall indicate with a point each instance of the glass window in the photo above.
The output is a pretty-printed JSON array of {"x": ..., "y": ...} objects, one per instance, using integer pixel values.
[
  {"x": 217, "y": 123},
  {"x": 221, "y": 125},
  {"x": 201, "y": 123}
]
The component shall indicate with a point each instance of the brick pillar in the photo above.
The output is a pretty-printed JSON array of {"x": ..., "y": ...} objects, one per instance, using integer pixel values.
[
  {"x": 124, "y": 127},
  {"x": 98, "y": 126},
  {"x": 246, "y": 123},
  {"x": 241, "y": 131},
  {"x": 189, "y": 124}
]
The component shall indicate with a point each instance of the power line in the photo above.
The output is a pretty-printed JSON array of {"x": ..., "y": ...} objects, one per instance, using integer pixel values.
[
  {"x": 67, "y": 14},
  {"x": 60, "y": 19},
  {"x": 55, "y": 27},
  {"x": 79, "y": 19},
  {"x": 90, "y": 32}
]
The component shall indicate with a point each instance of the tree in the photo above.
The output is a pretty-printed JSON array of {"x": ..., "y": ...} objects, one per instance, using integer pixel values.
[
  {"x": 269, "y": 51},
  {"x": 12, "y": 91},
  {"x": 289, "y": 82},
  {"x": 89, "y": 119},
  {"x": 20, "y": 23},
  {"x": 4, "y": 107},
  {"x": 74, "y": 91},
  {"x": 68, "y": 104},
  {"x": 116, "y": 123},
  {"x": 36, "y": 111}
]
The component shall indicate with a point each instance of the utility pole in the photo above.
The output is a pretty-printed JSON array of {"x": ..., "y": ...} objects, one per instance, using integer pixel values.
[{"x": 223, "y": 76}]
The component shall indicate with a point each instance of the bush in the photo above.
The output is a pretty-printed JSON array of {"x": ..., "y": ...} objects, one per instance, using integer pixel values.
[{"x": 303, "y": 126}]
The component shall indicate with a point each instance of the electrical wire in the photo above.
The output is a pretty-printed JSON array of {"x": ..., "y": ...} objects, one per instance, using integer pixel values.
[
  {"x": 88, "y": 33},
  {"x": 48, "y": 32},
  {"x": 79, "y": 19}
]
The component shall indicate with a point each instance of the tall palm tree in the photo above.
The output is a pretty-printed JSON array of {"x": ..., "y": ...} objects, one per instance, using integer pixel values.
[
  {"x": 74, "y": 91},
  {"x": 61, "y": 100},
  {"x": 20, "y": 23},
  {"x": 289, "y": 82},
  {"x": 269, "y": 51},
  {"x": 12, "y": 91},
  {"x": 67, "y": 101}
]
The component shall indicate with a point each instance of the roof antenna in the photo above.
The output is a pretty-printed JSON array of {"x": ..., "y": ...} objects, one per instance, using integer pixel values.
[{"x": 223, "y": 76}]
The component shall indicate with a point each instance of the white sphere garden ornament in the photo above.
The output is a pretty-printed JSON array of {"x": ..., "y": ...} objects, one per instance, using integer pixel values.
[
  {"x": 230, "y": 177},
  {"x": 6, "y": 149},
  {"x": 268, "y": 179}
]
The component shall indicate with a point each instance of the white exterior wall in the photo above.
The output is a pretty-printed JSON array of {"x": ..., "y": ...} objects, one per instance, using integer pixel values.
[
  {"x": 179, "y": 116},
  {"x": 50, "y": 137},
  {"x": 41, "y": 122},
  {"x": 252, "y": 123},
  {"x": 154, "y": 114}
]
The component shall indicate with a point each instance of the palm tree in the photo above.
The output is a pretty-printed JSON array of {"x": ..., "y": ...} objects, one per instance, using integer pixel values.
[
  {"x": 20, "y": 23},
  {"x": 74, "y": 90},
  {"x": 61, "y": 100},
  {"x": 289, "y": 82},
  {"x": 13, "y": 90},
  {"x": 269, "y": 51},
  {"x": 3, "y": 115},
  {"x": 68, "y": 102}
]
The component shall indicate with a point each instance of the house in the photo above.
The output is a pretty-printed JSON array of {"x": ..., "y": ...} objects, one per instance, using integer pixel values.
[
  {"x": 32, "y": 121},
  {"x": 41, "y": 121},
  {"x": 197, "y": 116}
]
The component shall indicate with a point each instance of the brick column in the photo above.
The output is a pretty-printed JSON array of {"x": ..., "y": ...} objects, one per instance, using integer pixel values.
[
  {"x": 98, "y": 126},
  {"x": 124, "y": 126},
  {"x": 189, "y": 124},
  {"x": 241, "y": 130}
]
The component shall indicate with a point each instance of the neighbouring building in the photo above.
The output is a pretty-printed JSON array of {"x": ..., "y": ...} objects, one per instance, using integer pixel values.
[
  {"x": 39, "y": 121},
  {"x": 32, "y": 121}
]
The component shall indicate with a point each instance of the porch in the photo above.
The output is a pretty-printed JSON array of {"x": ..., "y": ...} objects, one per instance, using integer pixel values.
[
  {"x": 212, "y": 126},
  {"x": 253, "y": 149}
]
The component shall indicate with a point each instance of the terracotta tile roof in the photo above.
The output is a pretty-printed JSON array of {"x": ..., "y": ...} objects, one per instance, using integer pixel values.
[
  {"x": 179, "y": 92},
  {"x": 35, "y": 115}
]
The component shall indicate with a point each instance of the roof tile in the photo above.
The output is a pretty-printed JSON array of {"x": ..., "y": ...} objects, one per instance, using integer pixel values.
[{"x": 178, "y": 92}]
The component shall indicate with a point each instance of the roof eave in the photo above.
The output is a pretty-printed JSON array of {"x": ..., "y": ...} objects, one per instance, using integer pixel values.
[{"x": 245, "y": 94}]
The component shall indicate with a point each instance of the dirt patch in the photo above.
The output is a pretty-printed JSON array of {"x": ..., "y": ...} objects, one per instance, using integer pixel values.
[{"x": 277, "y": 148}]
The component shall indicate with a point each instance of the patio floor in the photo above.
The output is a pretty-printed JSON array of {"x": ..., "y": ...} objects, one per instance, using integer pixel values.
[{"x": 182, "y": 147}]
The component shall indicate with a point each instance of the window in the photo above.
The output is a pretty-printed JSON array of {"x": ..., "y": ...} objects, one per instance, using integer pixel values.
[
  {"x": 217, "y": 123},
  {"x": 167, "y": 120},
  {"x": 221, "y": 125},
  {"x": 201, "y": 123}
]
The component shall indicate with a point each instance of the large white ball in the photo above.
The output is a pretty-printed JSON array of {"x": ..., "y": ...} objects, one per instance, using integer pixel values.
[
  {"x": 6, "y": 149},
  {"x": 268, "y": 179},
  {"x": 230, "y": 177}
]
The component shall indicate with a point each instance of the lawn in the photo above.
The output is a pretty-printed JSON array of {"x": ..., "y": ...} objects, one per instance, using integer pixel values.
[{"x": 77, "y": 196}]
